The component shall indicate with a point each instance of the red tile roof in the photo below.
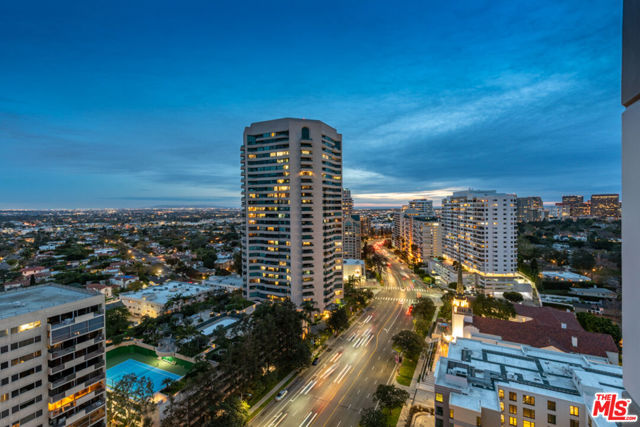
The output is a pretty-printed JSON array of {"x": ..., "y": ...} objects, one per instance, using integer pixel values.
[{"x": 545, "y": 330}]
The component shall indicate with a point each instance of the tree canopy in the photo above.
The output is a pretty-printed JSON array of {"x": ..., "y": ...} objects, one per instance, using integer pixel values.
[
  {"x": 492, "y": 307},
  {"x": 130, "y": 402},
  {"x": 390, "y": 397},
  {"x": 410, "y": 343}
]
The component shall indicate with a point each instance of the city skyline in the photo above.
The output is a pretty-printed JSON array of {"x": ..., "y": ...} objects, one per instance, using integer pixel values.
[{"x": 102, "y": 109}]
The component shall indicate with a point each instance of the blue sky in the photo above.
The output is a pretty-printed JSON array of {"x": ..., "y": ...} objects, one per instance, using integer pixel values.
[{"x": 137, "y": 104}]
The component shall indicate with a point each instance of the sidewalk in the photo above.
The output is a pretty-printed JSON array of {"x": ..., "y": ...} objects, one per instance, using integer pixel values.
[
  {"x": 271, "y": 392},
  {"x": 412, "y": 389}
]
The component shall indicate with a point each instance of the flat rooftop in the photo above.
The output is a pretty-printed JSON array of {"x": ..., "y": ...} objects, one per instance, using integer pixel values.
[
  {"x": 476, "y": 370},
  {"x": 161, "y": 294},
  {"x": 34, "y": 298}
]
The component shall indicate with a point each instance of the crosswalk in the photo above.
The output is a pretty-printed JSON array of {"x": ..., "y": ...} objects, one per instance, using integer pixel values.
[
  {"x": 403, "y": 300},
  {"x": 396, "y": 288}
]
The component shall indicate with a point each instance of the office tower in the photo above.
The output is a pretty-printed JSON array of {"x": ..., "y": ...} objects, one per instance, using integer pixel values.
[
  {"x": 292, "y": 206},
  {"x": 423, "y": 206},
  {"x": 631, "y": 195},
  {"x": 426, "y": 236},
  {"x": 347, "y": 202},
  {"x": 52, "y": 357},
  {"x": 487, "y": 384},
  {"x": 479, "y": 229},
  {"x": 605, "y": 205},
  {"x": 529, "y": 209},
  {"x": 572, "y": 200}
]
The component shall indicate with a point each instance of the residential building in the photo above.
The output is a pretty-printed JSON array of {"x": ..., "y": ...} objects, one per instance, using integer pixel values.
[
  {"x": 52, "y": 357},
  {"x": 529, "y": 209},
  {"x": 580, "y": 209},
  {"x": 423, "y": 206},
  {"x": 426, "y": 239},
  {"x": 152, "y": 301},
  {"x": 630, "y": 97},
  {"x": 479, "y": 230},
  {"x": 347, "y": 202},
  {"x": 605, "y": 205},
  {"x": 572, "y": 200},
  {"x": 365, "y": 225},
  {"x": 352, "y": 237},
  {"x": 292, "y": 207},
  {"x": 483, "y": 384}
]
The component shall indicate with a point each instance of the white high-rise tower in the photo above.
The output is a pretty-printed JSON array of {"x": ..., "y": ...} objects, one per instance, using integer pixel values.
[{"x": 292, "y": 204}]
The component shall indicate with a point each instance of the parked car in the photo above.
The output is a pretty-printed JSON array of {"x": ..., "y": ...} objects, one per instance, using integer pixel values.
[{"x": 315, "y": 361}]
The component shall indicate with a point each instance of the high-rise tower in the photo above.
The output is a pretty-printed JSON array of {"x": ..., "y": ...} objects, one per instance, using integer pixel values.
[{"x": 292, "y": 206}]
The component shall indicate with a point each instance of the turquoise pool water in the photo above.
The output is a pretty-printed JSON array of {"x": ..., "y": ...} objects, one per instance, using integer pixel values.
[{"x": 131, "y": 366}]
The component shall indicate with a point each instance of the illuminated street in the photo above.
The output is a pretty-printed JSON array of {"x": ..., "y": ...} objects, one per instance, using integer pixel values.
[{"x": 335, "y": 391}]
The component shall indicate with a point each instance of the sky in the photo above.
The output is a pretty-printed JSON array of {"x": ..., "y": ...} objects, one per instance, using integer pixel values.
[{"x": 143, "y": 104}]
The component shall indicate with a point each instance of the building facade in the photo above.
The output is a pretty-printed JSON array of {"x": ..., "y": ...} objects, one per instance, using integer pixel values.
[
  {"x": 529, "y": 209},
  {"x": 479, "y": 229},
  {"x": 347, "y": 202},
  {"x": 423, "y": 206},
  {"x": 631, "y": 195},
  {"x": 482, "y": 384},
  {"x": 426, "y": 237},
  {"x": 292, "y": 207},
  {"x": 352, "y": 237},
  {"x": 52, "y": 357},
  {"x": 605, "y": 205}
]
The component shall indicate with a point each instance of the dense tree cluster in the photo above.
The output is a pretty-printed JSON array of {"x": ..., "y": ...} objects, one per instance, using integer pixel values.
[
  {"x": 130, "y": 402},
  {"x": 423, "y": 311},
  {"x": 492, "y": 307},
  {"x": 592, "y": 323},
  {"x": 268, "y": 341}
]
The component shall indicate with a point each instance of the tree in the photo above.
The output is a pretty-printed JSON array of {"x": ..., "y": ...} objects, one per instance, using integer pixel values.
[
  {"x": 117, "y": 321},
  {"x": 338, "y": 320},
  {"x": 423, "y": 311},
  {"x": 208, "y": 256},
  {"x": 582, "y": 260},
  {"x": 130, "y": 402},
  {"x": 409, "y": 343},
  {"x": 372, "y": 417},
  {"x": 32, "y": 280},
  {"x": 592, "y": 323},
  {"x": 232, "y": 412},
  {"x": 513, "y": 296},
  {"x": 309, "y": 309},
  {"x": 492, "y": 307},
  {"x": 390, "y": 397},
  {"x": 135, "y": 286},
  {"x": 237, "y": 262}
]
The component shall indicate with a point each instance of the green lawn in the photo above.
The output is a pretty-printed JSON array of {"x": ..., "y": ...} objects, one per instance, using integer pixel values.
[
  {"x": 405, "y": 373},
  {"x": 392, "y": 417}
]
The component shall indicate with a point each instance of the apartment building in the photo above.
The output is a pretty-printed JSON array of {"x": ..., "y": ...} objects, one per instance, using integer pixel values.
[
  {"x": 482, "y": 384},
  {"x": 630, "y": 97},
  {"x": 423, "y": 206},
  {"x": 479, "y": 229},
  {"x": 352, "y": 237},
  {"x": 605, "y": 205},
  {"x": 426, "y": 235},
  {"x": 292, "y": 207},
  {"x": 52, "y": 357},
  {"x": 529, "y": 209},
  {"x": 347, "y": 202},
  {"x": 152, "y": 301}
]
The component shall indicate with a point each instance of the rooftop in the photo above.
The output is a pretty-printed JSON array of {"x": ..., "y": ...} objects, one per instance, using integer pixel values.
[
  {"x": 161, "y": 294},
  {"x": 475, "y": 370},
  {"x": 34, "y": 298}
]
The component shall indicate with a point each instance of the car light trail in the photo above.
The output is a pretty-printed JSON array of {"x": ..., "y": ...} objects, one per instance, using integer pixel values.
[
  {"x": 307, "y": 421},
  {"x": 342, "y": 373},
  {"x": 278, "y": 419}
]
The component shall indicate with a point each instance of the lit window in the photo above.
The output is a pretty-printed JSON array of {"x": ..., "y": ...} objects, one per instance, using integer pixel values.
[
  {"x": 574, "y": 410},
  {"x": 528, "y": 424},
  {"x": 501, "y": 393},
  {"x": 513, "y": 396},
  {"x": 529, "y": 400},
  {"x": 451, "y": 413},
  {"x": 513, "y": 421},
  {"x": 513, "y": 409},
  {"x": 439, "y": 397}
]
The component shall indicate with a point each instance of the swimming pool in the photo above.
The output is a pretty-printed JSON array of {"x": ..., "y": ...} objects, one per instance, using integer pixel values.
[{"x": 132, "y": 366}]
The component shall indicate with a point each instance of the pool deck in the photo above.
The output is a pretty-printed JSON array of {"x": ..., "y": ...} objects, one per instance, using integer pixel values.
[{"x": 119, "y": 355}]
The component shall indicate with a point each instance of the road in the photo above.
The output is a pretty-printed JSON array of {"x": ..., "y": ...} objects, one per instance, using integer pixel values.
[{"x": 335, "y": 391}]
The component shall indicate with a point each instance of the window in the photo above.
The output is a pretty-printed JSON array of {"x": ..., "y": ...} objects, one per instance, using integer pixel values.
[
  {"x": 574, "y": 410},
  {"x": 501, "y": 393},
  {"x": 501, "y": 406},
  {"x": 574, "y": 423},
  {"x": 529, "y": 400},
  {"x": 439, "y": 397},
  {"x": 529, "y": 413},
  {"x": 451, "y": 413},
  {"x": 305, "y": 133},
  {"x": 513, "y": 396},
  {"x": 551, "y": 405},
  {"x": 551, "y": 418},
  {"x": 513, "y": 409},
  {"x": 513, "y": 421},
  {"x": 528, "y": 424},
  {"x": 478, "y": 421},
  {"x": 439, "y": 422},
  {"x": 501, "y": 419}
]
